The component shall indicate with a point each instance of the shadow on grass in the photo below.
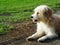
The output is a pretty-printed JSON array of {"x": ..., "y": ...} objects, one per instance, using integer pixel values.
[{"x": 5, "y": 14}]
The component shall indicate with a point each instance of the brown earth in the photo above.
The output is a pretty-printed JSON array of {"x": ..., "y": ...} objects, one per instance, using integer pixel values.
[{"x": 22, "y": 30}]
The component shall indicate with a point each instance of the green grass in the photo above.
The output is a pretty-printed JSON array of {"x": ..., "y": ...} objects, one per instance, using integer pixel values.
[
  {"x": 21, "y": 10},
  {"x": 5, "y": 28}
]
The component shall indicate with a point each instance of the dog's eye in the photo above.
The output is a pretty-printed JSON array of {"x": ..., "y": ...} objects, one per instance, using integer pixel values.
[
  {"x": 45, "y": 14},
  {"x": 37, "y": 13}
]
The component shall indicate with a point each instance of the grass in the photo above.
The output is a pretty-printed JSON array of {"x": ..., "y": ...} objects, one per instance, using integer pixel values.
[
  {"x": 5, "y": 28},
  {"x": 20, "y": 10}
]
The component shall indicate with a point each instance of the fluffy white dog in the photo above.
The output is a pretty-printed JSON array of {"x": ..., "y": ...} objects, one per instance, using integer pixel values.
[{"x": 47, "y": 24}]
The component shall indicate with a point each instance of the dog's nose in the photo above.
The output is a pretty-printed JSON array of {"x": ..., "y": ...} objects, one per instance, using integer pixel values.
[{"x": 31, "y": 16}]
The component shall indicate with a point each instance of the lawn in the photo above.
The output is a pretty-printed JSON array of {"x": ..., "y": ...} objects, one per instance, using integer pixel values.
[{"x": 21, "y": 10}]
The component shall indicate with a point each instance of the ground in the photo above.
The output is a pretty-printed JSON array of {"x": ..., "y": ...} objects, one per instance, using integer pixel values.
[{"x": 22, "y": 30}]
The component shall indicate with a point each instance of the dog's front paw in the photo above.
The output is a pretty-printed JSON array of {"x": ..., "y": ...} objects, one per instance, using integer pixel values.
[
  {"x": 30, "y": 39},
  {"x": 42, "y": 39}
]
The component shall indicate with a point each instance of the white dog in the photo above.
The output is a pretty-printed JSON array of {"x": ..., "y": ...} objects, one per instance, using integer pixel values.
[{"x": 47, "y": 24}]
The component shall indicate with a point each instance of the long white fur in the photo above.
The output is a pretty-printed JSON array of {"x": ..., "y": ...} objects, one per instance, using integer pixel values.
[
  {"x": 43, "y": 28},
  {"x": 49, "y": 31}
]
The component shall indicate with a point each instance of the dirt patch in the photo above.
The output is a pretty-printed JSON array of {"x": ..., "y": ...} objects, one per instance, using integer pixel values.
[{"x": 18, "y": 35}]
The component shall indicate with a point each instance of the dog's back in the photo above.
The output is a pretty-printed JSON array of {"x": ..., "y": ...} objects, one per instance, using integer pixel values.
[{"x": 57, "y": 22}]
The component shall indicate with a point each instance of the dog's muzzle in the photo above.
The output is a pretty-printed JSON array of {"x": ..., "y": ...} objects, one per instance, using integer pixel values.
[{"x": 34, "y": 20}]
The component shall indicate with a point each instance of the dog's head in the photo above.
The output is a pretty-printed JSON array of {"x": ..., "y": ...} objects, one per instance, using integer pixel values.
[{"x": 41, "y": 13}]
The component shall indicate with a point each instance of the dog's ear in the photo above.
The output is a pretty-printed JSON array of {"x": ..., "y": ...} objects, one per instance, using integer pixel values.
[{"x": 48, "y": 14}]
